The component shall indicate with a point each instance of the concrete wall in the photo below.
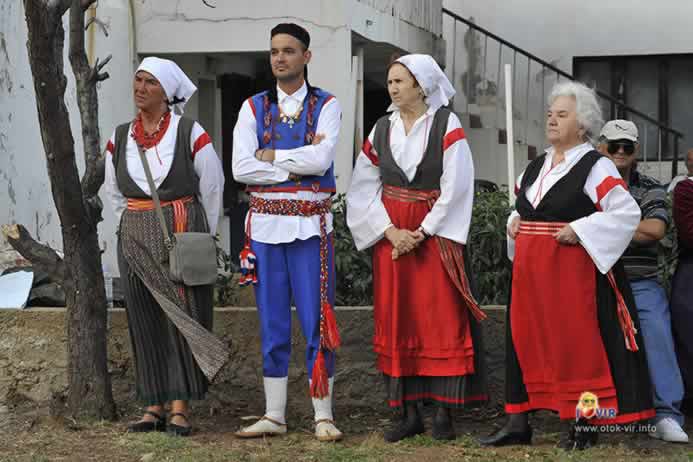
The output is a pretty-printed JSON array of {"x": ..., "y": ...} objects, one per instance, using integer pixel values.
[
  {"x": 423, "y": 14},
  {"x": 33, "y": 358}
]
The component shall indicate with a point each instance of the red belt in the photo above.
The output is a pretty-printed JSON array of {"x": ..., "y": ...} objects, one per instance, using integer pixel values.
[{"x": 180, "y": 211}]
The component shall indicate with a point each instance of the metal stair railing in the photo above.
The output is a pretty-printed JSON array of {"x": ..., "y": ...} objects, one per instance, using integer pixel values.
[{"x": 664, "y": 131}]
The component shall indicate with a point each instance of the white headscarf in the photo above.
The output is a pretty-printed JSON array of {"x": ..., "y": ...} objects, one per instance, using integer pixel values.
[
  {"x": 173, "y": 80},
  {"x": 433, "y": 81}
]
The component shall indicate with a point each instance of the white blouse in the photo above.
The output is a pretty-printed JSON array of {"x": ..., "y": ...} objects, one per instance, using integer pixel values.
[
  {"x": 450, "y": 216},
  {"x": 604, "y": 234},
  {"x": 160, "y": 158}
]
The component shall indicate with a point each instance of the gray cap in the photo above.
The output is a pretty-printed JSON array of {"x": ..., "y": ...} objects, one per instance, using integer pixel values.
[{"x": 619, "y": 130}]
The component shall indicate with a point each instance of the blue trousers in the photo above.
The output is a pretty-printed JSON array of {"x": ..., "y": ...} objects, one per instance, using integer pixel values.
[
  {"x": 655, "y": 326},
  {"x": 287, "y": 272}
]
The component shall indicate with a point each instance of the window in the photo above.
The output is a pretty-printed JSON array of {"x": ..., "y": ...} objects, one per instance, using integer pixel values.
[{"x": 656, "y": 85}]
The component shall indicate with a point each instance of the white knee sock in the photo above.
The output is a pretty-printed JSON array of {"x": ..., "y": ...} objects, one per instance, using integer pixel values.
[
  {"x": 323, "y": 407},
  {"x": 275, "y": 397}
]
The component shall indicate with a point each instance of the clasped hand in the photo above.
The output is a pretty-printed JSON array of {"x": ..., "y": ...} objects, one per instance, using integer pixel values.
[{"x": 403, "y": 240}]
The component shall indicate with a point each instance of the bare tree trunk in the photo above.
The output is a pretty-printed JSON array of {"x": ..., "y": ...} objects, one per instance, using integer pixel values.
[{"x": 76, "y": 200}]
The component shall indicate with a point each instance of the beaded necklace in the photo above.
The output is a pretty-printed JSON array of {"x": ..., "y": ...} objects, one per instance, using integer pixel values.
[{"x": 145, "y": 140}]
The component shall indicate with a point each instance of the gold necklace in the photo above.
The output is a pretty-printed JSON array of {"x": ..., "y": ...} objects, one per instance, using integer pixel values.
[{"x": 290, "y": 118}]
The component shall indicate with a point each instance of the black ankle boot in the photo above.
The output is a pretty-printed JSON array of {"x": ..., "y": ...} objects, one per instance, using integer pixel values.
[
  {"x": 516, "y": 431},
  {"x": 442, "y": 425},
  {"x": 581, "y": 435},
  {"x": 410, "y": 425}
]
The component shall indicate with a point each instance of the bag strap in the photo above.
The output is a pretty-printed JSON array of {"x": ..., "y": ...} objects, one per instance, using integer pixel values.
[{"x": 155, "y": 196}]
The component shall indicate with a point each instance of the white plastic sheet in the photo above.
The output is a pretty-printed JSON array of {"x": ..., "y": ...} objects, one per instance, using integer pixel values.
[{"x": 15, "y": 288}]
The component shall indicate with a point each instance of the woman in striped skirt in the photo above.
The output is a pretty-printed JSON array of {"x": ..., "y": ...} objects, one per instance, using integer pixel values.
[{"x": 175, "y": 353}]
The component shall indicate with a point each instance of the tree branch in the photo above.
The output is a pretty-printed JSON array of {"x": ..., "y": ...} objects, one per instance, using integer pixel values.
[
  {"x": 95, "y": 20},
  {"x": 41, "y": 256},
  {"x": 86, "y": 78},
  {"x": 95, "y": 75}
]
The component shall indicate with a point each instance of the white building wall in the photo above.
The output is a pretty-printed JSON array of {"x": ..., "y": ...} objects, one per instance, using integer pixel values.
[{"x": 177, "y": 28}]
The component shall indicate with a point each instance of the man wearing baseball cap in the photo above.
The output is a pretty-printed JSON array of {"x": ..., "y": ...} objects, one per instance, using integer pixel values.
[{"x": 619, "y": 141}]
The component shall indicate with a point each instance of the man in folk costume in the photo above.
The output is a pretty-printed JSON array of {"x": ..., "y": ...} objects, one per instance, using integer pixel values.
[
  {"x": 411, "y": 200},
  {"x": 175, "y": 352},
  {"x": 284, "y": 149}
]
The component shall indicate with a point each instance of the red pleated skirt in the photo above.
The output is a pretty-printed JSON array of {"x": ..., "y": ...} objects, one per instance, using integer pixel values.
[
  {"x": 421, "y": 320},
  {"x": 555, "y": 328}
]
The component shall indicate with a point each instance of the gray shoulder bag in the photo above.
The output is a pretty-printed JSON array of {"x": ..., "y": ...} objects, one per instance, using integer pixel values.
[{"x": 192, "y": 256}]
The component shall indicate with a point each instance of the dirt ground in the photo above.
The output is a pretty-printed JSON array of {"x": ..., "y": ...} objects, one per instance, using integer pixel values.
[{"x": 31, "y": 434}]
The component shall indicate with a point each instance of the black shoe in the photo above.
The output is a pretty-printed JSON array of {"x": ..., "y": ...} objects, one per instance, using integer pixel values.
[
  {"x": 442, "y": 428},
  {"x": 179, "y": 430},
  {"x": 504, "y": 437},
  {"x": 158, "y": 425},
  {"x": 407, "y": 428},
  {"x": 580, "y": 437}
]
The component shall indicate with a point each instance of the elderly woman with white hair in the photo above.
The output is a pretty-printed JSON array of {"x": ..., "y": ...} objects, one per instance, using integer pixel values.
[
  {"x": 572, "y": 327},
  {"x": 411, "y": 200},
  {"x": 175, "y": 353}
]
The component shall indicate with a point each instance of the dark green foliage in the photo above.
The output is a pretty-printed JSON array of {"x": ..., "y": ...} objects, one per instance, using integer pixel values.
[
  {"x": 486, "y": 248},
  {"x": 354, "y": 269},
  {"x": 226, "y": 288}
]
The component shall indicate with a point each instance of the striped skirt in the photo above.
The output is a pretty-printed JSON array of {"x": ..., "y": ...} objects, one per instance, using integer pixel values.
[
  {"x": 175, "y": 354},
  {"x": 455, "y": 392}
]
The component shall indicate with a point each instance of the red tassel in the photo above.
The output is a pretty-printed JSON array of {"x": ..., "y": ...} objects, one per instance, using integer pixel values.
[
  {"x": 330, "y": 338},
  {"x": 319, "y": 386},
  {"x": 478, "y": 314},
  {"x": 627, "y": 325}
]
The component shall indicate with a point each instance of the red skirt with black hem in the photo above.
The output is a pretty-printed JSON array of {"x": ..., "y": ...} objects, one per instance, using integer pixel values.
[
  {"x": 424, "y": 336},
  {"x": 556, "y": 331}
]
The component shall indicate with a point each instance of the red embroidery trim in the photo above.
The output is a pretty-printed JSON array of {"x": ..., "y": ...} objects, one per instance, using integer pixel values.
[
  {"x": 453, "y": 137},
  {"x": 201, "y": 141},
  {"x": 607, "y": 185},
  {"x": 370, "y": 152}
]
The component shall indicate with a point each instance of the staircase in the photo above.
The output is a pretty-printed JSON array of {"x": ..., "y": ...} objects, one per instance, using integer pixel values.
[{"x": 475, "y": 60}]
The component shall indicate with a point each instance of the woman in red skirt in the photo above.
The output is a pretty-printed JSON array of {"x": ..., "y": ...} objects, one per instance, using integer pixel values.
[
  {"x": 572, "y": 324},
  {"x": 411, "y": 199}
]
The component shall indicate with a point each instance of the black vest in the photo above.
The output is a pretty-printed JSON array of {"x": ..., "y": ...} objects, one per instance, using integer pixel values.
[
  {"x": 566, "y": 201},
  {"x": 430, "y": 169},
  {"x": 181, "y": 180}
]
